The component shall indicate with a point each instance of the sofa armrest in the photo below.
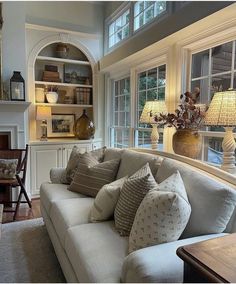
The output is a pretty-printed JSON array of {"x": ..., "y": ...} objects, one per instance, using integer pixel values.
[
  {"x": 158, "y": 263},
  {"x": 58, "y": 175}
]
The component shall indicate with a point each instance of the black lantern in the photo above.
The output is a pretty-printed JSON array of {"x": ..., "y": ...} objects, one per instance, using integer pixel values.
[{"x": 17, "y": 87}]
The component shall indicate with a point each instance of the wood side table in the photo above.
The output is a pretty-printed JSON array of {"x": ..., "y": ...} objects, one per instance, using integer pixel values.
[
  {"x": 1, "y": 212},
  {"x": 210, "y": 261}
]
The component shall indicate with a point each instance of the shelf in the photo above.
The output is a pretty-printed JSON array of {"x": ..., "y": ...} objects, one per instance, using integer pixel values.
[
  {"x": 62, "y": 60},
  {"x": 63, "y": 105},
  {"x": 63, "y": 84},
  {"x": 13, "y": 106}
]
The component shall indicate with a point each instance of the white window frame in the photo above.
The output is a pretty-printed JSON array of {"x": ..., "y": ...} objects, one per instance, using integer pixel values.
[
  {"x": 125, "y": 6},
  {"x": 196, "y": 44}
]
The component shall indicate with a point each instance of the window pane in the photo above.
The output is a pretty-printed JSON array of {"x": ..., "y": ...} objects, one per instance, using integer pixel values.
[
  {"x": 142, "y": 81},
  {"x": 214, "y": 152},
  {"x": 200, "y": 64},
  {"x": 222, "y": 58},
  {"x": 152, "y": 78},
  {"x": 145, "y": 11},
  {"x": 121, "y": 138},
  {"x": 161, "y": 93},
  {"x": 142, "y": 99},
  {"x": 122, "y": 103},
  {"x": 162, "y": 76},
  {"x": 220, "y": 83},
  {"x": 144, "y": 139},
  {"x": 203, "y": 85},
  {"x": 119, "y": 29},
  {"x": 152, "y": 95},
  {"x": 234, "y": 84}
]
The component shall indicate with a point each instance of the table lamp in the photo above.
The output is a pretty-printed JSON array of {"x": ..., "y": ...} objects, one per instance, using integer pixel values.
[
  {"x": 43, "y": 114},
  {"x": 222, "y": 112},
  {"x": 152, "y": 109}
]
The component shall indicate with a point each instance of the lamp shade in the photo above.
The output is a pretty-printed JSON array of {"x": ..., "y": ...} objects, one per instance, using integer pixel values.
[
  {"x": 222, "y": 109},
  {"x": 43, "y": 113},
  {"x": 151, "y": 109}
]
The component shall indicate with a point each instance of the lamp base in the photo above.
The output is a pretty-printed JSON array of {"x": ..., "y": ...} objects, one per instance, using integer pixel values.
[
  {"x": 228, "y": 146},
  {"x": 44, "y": 131},
  {"x": 154, "y": 137}
]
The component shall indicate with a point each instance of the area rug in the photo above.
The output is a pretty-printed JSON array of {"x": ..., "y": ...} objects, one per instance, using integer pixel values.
[{"x": 27, "y": 254}]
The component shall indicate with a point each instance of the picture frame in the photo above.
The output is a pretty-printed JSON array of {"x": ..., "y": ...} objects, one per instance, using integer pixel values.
[{"x": 61, "y": 125}]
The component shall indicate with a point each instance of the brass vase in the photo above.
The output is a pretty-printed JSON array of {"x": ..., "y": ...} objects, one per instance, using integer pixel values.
[
  {"x": 84, "y": 128},
  {"x": 187, "y": 142}
]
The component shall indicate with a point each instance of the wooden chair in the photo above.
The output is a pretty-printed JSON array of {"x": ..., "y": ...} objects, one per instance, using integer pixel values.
[{"x": 19, "y": 181}]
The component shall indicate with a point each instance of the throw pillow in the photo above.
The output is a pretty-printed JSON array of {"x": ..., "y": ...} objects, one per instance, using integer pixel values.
[
  {"x": 131, "y": 195},
  {"x": 74, "y": 159},
  {"x": 105, "y": 201},
  {"x": 162, "y": 216},
  {"x": 8, "y": 168},
  {"x": 91, "y": 175}
]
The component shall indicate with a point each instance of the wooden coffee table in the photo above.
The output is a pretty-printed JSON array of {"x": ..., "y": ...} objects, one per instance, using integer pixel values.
[
  {"x": 210, "y": 261},
  {"x": 1, "y": 212}
]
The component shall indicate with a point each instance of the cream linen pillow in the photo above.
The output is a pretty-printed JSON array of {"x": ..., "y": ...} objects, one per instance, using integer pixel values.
[
  {"x": 162, "y": 216},
  {"x": 105, "y": 201},
  {"x": 91, "y": 175},
  {"x": 131, "y": 195}
]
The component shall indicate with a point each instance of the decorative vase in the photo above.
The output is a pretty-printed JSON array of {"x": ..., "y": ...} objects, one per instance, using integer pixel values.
[
  {"x": 62, "y": 50},
  {"x": 52, "y": 97},
  {"x": 84, "y": 128},
  {"x": 39, "y": 95},
  {"x": 187, "y": 142}
]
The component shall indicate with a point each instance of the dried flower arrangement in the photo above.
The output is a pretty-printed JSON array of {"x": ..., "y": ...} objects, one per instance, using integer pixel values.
[{"x": 188, "y": 115}]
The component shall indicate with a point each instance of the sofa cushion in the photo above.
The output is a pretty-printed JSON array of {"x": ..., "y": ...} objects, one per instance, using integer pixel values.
[
  {"x": 212, "y": 202},
  {"x": 92, "y": 175},
  {"x": 70, "y": 212},
  {"x": 50, "y": 192},
  {"x": 157, "y": 264},
  {"x": 75, "y": 155},
  {"x": 105, "y": 202},
  {"x": 132, "y": 161},
  {"x": 96, "y": 252},
  {"x": 131, "y": 195},
  {"x": 162, "y": 215},
  {"x": 112, "y": 154}
]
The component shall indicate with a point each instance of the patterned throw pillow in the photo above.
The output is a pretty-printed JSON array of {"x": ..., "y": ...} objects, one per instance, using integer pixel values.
[
  {"x": 132, "y": 193},
  {"x": 8, "y": 168},
  {"x": 91, "y": 175},
  {"x": 162, "y": 216},
  {"x": 105, "y": 201},
  {"x": 74, "y": 159}
]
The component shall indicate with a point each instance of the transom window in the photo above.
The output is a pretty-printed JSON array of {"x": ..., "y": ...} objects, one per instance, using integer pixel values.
[
  {"x": 119, "y": 29},
  {"x": 213, "y": 70},
  {"x": 145, "y": 11}
]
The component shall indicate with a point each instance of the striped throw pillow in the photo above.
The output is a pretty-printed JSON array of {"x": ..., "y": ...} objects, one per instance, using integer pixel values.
[
  {"x": 132, "y": 193},
  {"x": 105, "y": 201},
  {"x": 91, "y": 175}
]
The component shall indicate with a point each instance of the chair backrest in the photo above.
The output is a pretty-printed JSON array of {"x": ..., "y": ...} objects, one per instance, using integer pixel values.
[{"x": 21, "y": 155}]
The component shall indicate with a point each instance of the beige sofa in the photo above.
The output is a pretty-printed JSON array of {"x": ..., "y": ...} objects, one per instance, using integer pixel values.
[{"x": 95, "y": 252}]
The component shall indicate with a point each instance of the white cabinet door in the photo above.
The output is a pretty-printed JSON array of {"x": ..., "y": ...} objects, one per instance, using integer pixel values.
[
  {"x": 42, "y": 159},
  {"x": 66, "y": 151}
]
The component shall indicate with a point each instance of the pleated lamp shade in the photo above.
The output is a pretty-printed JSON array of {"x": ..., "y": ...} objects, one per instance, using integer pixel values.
[
  {"x": 43, "y": 113},
  {"x": 222, "y": 110},
  {"x": 151, "y": 109}
]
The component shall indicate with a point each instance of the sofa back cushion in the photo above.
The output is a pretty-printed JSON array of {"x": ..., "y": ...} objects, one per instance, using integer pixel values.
[
  {"x": 212, "y": 202},
  {"x": 112, "y": 154},
  {"x": 132, "y": 161}
]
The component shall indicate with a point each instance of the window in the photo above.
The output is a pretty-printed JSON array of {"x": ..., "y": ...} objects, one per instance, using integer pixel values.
[
  {"x": 130, "y": 18},
  {"x": 119, "y": 29},
  {"x": 121, "y": 114},
  {"x": 151, "y": 86},
  {"x": 145, "y": 11},
  {"x": 213, "y": 70}
]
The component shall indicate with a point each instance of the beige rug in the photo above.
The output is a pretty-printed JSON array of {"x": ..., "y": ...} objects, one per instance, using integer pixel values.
[{"x": 27, "y": 254}]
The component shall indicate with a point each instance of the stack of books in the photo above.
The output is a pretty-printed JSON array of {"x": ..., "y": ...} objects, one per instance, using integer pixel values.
[
  {"x": 82, "y": 96},
  {"x": 51, "y": 74}
]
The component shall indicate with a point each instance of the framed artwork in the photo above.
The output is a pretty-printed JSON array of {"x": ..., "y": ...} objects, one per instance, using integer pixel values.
[{"x": 61, "y": 125}]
